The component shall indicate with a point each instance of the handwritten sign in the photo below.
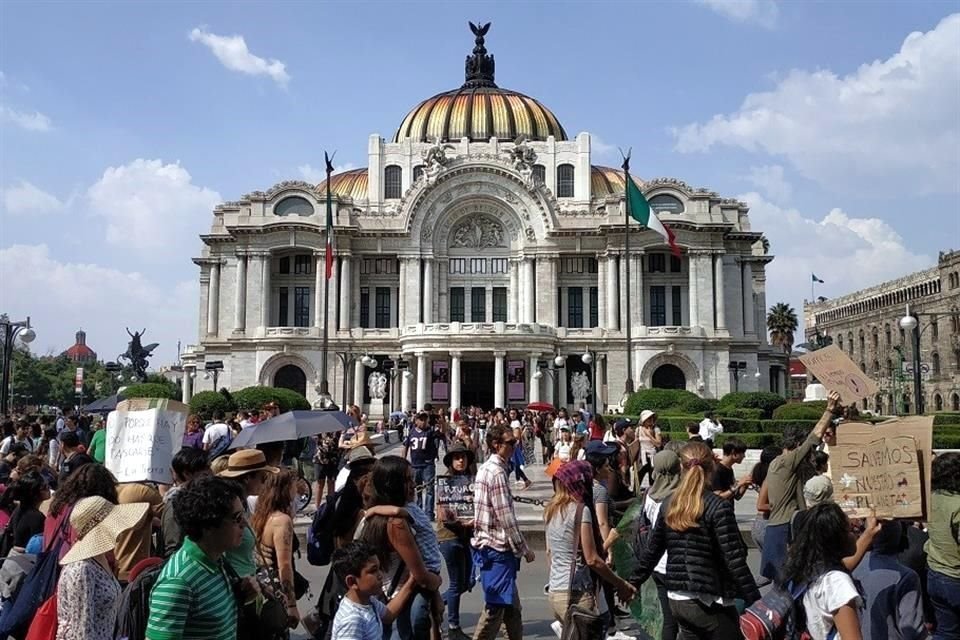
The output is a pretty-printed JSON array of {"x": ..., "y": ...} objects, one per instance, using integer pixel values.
[
  {"x": 837, "y": 372},
  {"x": 881, "y": 475},
  {"x": 142, "y": 437},
  {"x": 455, "y": 493}
]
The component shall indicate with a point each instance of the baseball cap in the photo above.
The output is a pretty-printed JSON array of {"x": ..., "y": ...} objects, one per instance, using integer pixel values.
[
  {"x": 623, "y": 423},
  {"x": 599, "y": 447}
]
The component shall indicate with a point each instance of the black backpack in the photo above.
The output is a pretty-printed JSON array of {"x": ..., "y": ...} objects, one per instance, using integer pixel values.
[
  {"x": 320, "y": 534},
  {"x": 134, "y": 610}
]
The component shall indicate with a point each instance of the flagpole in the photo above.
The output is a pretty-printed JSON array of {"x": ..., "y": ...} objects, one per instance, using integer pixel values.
[
  {"x": 324, "y": 384},
  {"x": 628, "y": 383}
]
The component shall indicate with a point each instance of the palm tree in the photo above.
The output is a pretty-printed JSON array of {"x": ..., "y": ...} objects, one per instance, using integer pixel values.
[{"x": 782, "y": 323}]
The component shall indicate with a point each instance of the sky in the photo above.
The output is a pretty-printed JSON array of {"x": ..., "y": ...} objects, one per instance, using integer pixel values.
[{"x": 126, "y": 122}]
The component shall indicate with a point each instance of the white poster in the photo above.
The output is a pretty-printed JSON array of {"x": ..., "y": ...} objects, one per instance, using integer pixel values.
[{"x": 141, "y": 443}]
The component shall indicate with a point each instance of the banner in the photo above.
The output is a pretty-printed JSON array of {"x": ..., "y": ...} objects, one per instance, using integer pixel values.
[
  {"x": 837, "y": 372},
  {"x": 455, "y": 493},
  {"x": 78, "y": 381},
  {"x": 516, "y": 381},
  {"x": 440, "y": 381},
  {"x": 143, "y": 435}
]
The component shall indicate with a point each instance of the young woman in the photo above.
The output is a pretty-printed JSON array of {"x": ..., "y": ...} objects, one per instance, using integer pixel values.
[
  {"x": 276, "y": 542},
  {"x": 650, "y": 443},
  {"x": 666, "y": 479},
  {"x": 943, "y": 549},
  {"x": 87, "y": 481},
  {"x": 758, "y": 477},
  {"x": 706, "y": 560},
  {"x": 27, "y": 491},
  {"x": 249, "y": 468},
  {"x": 454, "y": 534},
  {"x": 193, "y": 437},
  {"x": 519, "y": 461},
  {"x": 562, "y": 450},
  {"x": 815, "y": 561},
  {"x": 573, "y": 483}
]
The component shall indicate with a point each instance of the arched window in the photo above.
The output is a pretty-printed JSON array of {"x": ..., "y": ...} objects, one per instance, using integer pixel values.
[
  {"x": 417, "y": 172},
  {"x": 876, "y": 339},
  {"x": 936, "y": 363},
  {"x": 876, "y": 367},
  {"x": 937, "y": 402},
  {"x": 863, "y": 343},
  {"x": 840, "y": 341},
  {"x": 956, "y": 402},
  {"x": 293, "y": 206},
  {"x": 906, "y": 403},
  {"x": 540, "y": 173},
  {"x": 666, "y": 203},
  {"x": 392, "y": 181},
  {"x": 878, "y": 403},
  {"x": 565, "y": 176},
  {"x": 886, "y": 331},
  {"x": 850, "y": 342},
  {"x": 889, "y": 367}
]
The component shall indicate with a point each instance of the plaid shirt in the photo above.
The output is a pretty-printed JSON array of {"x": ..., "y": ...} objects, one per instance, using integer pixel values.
[{"x": 495, "y": 523}]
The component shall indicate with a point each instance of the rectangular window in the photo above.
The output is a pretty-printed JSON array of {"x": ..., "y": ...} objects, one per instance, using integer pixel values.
[
  {"x": 456, "y": 304},
  {"x": 382, "y": 310},
  {"x": 478, "y": 265},
  {"x": 658, "y": 306},
  {"x": 675, "y": 264},
  {"x": 499, "y": 304},
  {"x": 594, "y": 307},
  {"x": 498, "y": 265},
  {"x": 478, "y": 304},
  {"x": 578, "y": 265},
  {"x": 677, "y": 308},
  {"x": 301, "y": 306},
  {"x": 575, "y": 307},
  {"x": 560, "y": 306},
  {"x": 365, "y": 307},
  {"x": 283, "y": 317},
  {"x": 302, "y": 264},
  {"x": 935, "y": 330},
  {"x": 657, "y": 263},
  {"x": 284, "y": 265},
  {"x": 457, "y": 265}
]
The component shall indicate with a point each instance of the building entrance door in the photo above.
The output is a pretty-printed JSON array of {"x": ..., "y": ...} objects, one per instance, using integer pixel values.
[{"x": 476, "y": 384}]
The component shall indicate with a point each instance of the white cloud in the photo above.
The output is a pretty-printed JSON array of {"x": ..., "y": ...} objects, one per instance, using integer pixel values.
[
  {"x": 151, "y": 207},
  {"x": 848, "y": 253},
  {"x": 317, "y": 175},
  {"x": 28, "y": 199},
  {"x": 35, "y": 121},
  {"x": 890, "y": 125},
  {"x": 760, "y": 12},
  {"x": 603, "y": 152},
  {"x": 104, "y": 300},
  {"x": 770, "y": 180},
  {"x": 232, "y": 52}
]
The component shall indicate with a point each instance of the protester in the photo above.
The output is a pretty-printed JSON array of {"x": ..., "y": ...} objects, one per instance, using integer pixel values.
[
  {"x": 326, "y": 463},
  {"x": 597, "y": 427},
  {"x": 193, "y": 598},
  {"x": 21, "y": 436},
  {"x": 28, "y": 491},
  {"x": 943, "y": 547},
  {"x": 817, "y": 490},
  {"x": 709, "y": 428},
  {"x": 217, "y": 437},
  {"x": 577, "y": 451},
  {"x": 497, "y": 540},
  {"x": 599, "y": 457},
  {"x": 193, "y": 437},
  {"x": 98, "y": 441},
  {"x": 666, "y": 479},
  {"x": 759, "y": 476},
  {"x": 88, "y": 594},
  {"x": 50, "y": 447},
  {"x": 564, "y": 446},
  {"x": 422, "y": 445},
  {"x": 272, "y": 525},
  {"x": 785, "y": 479},
  {"x": 87, "y": 481},
  {"x": 693, "y": 432},
  {"x": 706, "y": 559},
  {"x": 134, "y": 544},
  {"x": 650, "y": 442},
  {"x": 724, "y": 483},
  {"x": 453, "y": 535},
  {"x": 249, "y": 468},
  {"x": 519, "y": 461},
  {"x": 187, "y": 464},
  {"x": 72, "y": 455},
  {"x": 815, "y": 562}
]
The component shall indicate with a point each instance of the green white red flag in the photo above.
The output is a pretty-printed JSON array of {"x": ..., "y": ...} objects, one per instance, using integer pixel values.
[{"x": 638, "y": 207}]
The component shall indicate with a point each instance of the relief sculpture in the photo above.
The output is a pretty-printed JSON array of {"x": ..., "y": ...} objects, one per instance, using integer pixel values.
[{"x": 478, "y": 232}]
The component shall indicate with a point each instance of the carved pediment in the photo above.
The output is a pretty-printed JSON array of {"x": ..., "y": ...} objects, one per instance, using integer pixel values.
[{"x": 478, "y": 232}]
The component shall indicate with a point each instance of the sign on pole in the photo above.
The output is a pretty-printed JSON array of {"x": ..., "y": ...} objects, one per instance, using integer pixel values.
[
  {"x": 143, "y": 434},
  {"x": 837, "y": 372},
  {"x": 78, "y": 381}
]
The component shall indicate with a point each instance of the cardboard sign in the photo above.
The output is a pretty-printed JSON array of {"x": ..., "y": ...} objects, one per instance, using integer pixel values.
[
  {"x": 143, "y": 435},
  {"x": 837, "y": 372},
  {"x": 456, "y": 494},
  {"x": 882, "y": 475}
]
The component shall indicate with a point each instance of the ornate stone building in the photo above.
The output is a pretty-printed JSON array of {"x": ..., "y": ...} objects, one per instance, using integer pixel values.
[
  {"x": 478, "y": 245},
  {"x": 866, "y": 325}
]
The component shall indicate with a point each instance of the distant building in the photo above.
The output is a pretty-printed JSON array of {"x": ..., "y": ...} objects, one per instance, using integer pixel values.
[
  {"x": 866, "y": 325},
  {"x": 798, "y": 378},
  {"x": 80, "y": 352}
]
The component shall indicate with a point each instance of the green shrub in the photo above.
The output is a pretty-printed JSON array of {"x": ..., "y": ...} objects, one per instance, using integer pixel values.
[
  {"x": 946, "y": 442},
  {"x": 205, "y": 403},
  {"x": 760, "y": 440},
  {"x": 151, "y": 390},
  {"x": 254, "y": 398},
  {"x": 744, "y": 414},
  {"x": 763, "y": 400},
  {"x": 946, "y": 419},
  {"x": 666, "y": 401},
  {"x": 800, "y": 410}
]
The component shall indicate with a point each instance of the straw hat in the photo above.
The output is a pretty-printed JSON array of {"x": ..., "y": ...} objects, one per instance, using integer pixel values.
[
  {"x": 246, "y": 461},
  {"x": 97, "y": 523},
  {"x": 646, "y": 414}
]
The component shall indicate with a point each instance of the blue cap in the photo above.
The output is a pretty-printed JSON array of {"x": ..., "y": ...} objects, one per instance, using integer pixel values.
[{"x": 599, "y": 447}]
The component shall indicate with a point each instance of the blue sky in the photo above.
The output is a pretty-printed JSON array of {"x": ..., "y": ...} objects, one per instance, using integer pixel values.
[{"x": 125, "y": 122}]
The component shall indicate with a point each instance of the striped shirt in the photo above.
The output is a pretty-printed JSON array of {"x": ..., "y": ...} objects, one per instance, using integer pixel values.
[
  {"x": 192, "y": 599},
  {"x": 495, "y": 522}
]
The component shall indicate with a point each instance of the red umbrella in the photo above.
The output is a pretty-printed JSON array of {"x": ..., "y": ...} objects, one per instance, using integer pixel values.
[{"x": 540, "y": 407}]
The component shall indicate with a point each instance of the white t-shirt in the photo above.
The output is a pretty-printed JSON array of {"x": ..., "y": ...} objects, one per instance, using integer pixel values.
[
  {"x": 709, "y": 428},
  {"x": 652, "y": 509},
  {"x": 825, "y": 596},
  {"x": 355, "y": 621},
  {"x": 9, "y": 441},
  {"x": 563, "y": 451},
  {"x": 53, "y": 457},
  {"x": 216, "y": 431}
]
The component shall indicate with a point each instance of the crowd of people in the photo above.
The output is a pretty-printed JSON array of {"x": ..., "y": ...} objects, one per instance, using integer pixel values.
[{"x": 214, "y": 555}]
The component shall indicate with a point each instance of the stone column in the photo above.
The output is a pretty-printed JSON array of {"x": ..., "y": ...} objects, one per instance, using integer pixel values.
[
  {"x": 747, "y": 288},
  {"x": 240, "y": 300},
  {"x": 554, "y": 314},
  {"x": 635, "y": 299},
  {"x": 602, "y": 290},
  {"x": 405, "y": 390},
  {"x": 423, "y": 381},
  {"x": 346, "y": 271},
  {"x": 454, "y": 381},
  {"x": 623, "y": 294},
  {"x": 498, "y": 388},
  {"x": 320, "y": 277},
  {"x": 187, "y": 387},
  {"x": 213, "y": 300},
  {"x": 613, "y": 295},
  {"x": 546, "y": 290},
  {"x": 513, "y": 296},
  {"x": 334, "y": 294},
  {"x": 266, "y": 291},
  {"x": 442, "y": 310},
  {"x": 534, "y": 392},
  {"x": 693, "y": 292},
  {"x": 402, "y": 295},
  {"x": 488, "y": 303},
  {"x": 718, "y": 293},
  {"x": 562, "y": 387},
  {"x": 530, "y": 300},
  {"x": 427, "y": 295},
  {"x": 358, "y": 382}
]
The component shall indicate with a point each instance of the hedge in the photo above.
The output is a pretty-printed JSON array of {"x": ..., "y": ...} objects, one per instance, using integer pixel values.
[
  {"x": 150, "y": 390},
  {"x": 667, "y": 401},
  {"x": 764, "y": 400},
  {"x": 760, "y": 440},
  {"x": 206, "y": 403},
  {"x": 254, "y": 398},
  {"x": 743, "y": 414},
  {"x": 946, "y": 419},
  {"x": 800, "y": 410}
]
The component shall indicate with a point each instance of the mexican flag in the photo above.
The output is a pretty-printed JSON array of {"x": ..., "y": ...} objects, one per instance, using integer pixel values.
[{"x": 639, "y": 209}]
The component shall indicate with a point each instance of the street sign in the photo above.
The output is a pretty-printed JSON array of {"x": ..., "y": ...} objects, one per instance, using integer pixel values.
[
  {"x": 925, "y": 370},
  {"x": 78, "y": 380}
]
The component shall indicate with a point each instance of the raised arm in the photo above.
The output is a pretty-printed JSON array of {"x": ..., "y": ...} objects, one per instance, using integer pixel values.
[{"x": 402, "y": 540}]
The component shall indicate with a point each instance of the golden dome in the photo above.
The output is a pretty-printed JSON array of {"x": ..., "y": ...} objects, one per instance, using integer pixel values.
[
  {"x": 479, "y": 110},
  {"x": 605, "y": 181},
  {"x": 347, "y": 184}
]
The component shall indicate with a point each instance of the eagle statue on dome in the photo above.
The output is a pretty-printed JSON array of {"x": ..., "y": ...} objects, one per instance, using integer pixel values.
[{"x": 435, "y": 159}]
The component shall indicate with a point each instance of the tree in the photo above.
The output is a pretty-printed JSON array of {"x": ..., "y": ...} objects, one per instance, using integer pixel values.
[{"x": 782, "y": 323}]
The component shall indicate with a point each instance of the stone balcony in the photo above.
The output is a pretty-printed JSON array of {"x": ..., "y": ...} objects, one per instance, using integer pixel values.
[{"x": 479, "y": 335}]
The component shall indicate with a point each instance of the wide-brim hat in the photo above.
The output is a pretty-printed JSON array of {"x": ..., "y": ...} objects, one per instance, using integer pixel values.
[
  {"x": 458, "y": 448},
  {"x": 359, "y": 454},
  {"x": 246, "y": 461},
  {"x": 98, "y": 523},
  {"x": 646, "y": 414}
]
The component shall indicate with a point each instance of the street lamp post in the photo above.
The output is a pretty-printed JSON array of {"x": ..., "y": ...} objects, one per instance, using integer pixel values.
[
  {"x": 213, "y": 368},
  {"x": 909, "y": 323},
  {"x": 543, "y": 366},
  {"x": 589, "y": 358},
  {"x": 10, "y": 330}
]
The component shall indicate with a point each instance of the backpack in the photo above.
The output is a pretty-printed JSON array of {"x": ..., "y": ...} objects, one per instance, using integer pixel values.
[
  {"x": 644, "y": 529},
  {"x": 134, "y": 609},
  {"x": 778, "y": 615},
  {"x": 320, "y": 534},
  {"x": 219, "y": 446}
]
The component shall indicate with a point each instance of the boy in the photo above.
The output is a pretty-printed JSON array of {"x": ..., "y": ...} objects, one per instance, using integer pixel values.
[
  {"x": 724, "y": 483},
  {"x": 361, "y": 615}
]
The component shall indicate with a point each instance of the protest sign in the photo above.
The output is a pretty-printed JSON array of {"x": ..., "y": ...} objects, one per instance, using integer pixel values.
[
  {"x": 860, "y": 438},
  {"x": 837, "y": 372},
  {"x": 456, "y": 494},
  {"x": 143, "y": 434}
]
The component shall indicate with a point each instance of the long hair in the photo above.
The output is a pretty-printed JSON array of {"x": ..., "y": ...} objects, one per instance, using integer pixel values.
[
  {"x": 26, "y": 491},
  {"x": 820, "y": 544},
  {"x": 561, "y": 498},
  {"x": 274, "y": 497},
  {"x": 946, "y": 473},
  {"x": 89, "y": 480},
  {"x": 686, "y": 504},
  {"x": 386, "y": 485},
  {"x": 759, "y": 472}
]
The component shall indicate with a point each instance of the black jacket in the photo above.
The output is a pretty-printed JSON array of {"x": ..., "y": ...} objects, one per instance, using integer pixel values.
[{"x": 709, "y": 558}]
